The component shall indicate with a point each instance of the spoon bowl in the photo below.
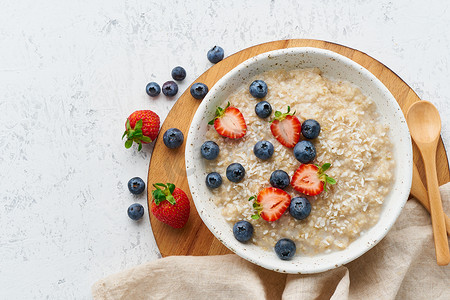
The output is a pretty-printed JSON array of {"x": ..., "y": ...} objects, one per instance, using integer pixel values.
[{"x": 424, "y": 122}]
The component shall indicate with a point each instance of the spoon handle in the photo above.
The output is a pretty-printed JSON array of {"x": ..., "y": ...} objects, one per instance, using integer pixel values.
[
  {"x": 419, "y": 192},
  {"x": 437, "y": 213}
]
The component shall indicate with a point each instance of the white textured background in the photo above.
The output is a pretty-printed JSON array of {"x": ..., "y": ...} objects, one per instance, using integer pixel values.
[{"x": 72, "y": 71}]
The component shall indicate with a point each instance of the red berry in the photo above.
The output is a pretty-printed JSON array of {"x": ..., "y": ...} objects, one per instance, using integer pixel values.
[
  {"x": 271, "y": 204},
  {"x": 141, "y": 127},
  {"x": 170, "y": 205},
  {"x": 310, "y": 179},
  {"x": 286, "y": 128},
  {"x": 229, "y": 122}
]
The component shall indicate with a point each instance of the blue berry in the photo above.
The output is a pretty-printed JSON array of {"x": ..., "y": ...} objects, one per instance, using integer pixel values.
[
  {"x": 170, "y": 88},
  {"x": 210, "y": 150},
  {"x": 285, "y": 249},
  {"x": 213, "y": 180},
  {"x": 305, "y": 152},
  {"x": 153, "y": 89},
  {"x": 235, "y": 172},
  {"x": 199, "y": 90},
  {"x": 173, "y": 138},
  {"x": 279, "y": 179},
  {"x": 263, "y": 109},
  {"x": 243, "y": 231},
  {"x": 300, "y": 208},
  {"x": 215, "y": 54},
  {"x": 136, "y": 185},
  {"x": 258, "y": 89},
  {"x": 135, "y": 211},
  {"x": 263, "y": 150},
  {"x": 178, "y": 73},
  {"x": 310, "y": 129}
]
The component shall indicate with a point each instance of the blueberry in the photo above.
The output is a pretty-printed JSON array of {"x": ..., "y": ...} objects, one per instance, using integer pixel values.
[
  {"x": 153, "y": 89},
  {"x": 199, "y": 90},
  {"x": 305, "y": 152},
  {"x": 243, "y": 231},
  {"x": 135, "y": 211},
  {"x": 235, "y": 172},
  {"x": 263, "y": 150},
  {"x": 215, "y": 54},
  {"x": 213, "y": 180},
  {"x": 279, "y": 179},
  {"x": 263, "y": 109},
  {"x": 300, "y": 208},
  {"x": 170, "y": 88},
  {"x": 210, "y": 150},
  {"x": 310, "y": 129},
  {"x": 285, "y": 249},
  {"x": 178, "y": 73},
  {"x": 258, "y": 89},
  {"x": 173, "y": 138},
  {"x": 136, "y": 185}
]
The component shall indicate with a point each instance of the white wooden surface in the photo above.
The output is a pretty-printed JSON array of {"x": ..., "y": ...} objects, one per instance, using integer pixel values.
[{"x": 72, "y": 71}]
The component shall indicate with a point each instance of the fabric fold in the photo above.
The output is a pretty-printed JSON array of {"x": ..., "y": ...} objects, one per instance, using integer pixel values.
[{"x": 402, "y": 266}]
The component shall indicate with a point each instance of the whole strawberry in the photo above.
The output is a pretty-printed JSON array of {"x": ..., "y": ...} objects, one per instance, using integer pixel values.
[
  {"x": 141, "y": 127},
  {"x": 170, "y": 205}
]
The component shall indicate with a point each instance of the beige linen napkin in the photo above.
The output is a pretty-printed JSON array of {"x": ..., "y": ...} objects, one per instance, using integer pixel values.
[{"x": 401, "y": 266}]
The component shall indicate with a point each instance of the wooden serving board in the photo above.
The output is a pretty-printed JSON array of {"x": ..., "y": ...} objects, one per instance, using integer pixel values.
[{"x": 167, "y": 165}]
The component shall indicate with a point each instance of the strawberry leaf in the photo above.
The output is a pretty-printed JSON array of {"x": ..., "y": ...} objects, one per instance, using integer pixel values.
[
  {"x": 128, "y": 143},
  {"x": 171, "y": 187},
  {"x": 164, "y": 194},
  {"x": 325, "y": 167},
  {"x": 324, "y": 177},
  {"x": 255, "y": 217},
  {"x": 158, "y": 196},
  {"x": 146, "y": 139},
  {"x": 140, "y": 145},
  {"x": 219, "y": 113},
  {"x": 281, "y": 116},
  {"x": 331, "y": 180},
  {"x": 139, "y": 125},
  {"x": 252, "y": 198}
]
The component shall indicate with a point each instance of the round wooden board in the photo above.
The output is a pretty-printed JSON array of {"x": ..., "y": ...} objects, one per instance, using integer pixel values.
[{"x": 168, "y": 165}]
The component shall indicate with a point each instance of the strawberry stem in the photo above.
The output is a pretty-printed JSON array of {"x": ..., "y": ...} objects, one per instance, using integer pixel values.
[
  {"x": 219, "y": 113},
  {"x": 281, "y": 116},
  {"x": 257, "y": 206},
  {"x": 163, "y": 192},
  {"x": 135, "y": 135},
  {"x": 324, "y": 177}
]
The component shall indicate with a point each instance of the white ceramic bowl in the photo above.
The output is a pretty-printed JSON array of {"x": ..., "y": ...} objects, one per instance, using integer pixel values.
[{"x": 332, "y": 65}]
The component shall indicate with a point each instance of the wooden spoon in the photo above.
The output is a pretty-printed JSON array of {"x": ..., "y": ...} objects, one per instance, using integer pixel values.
[{"x": 424, "y": 125}]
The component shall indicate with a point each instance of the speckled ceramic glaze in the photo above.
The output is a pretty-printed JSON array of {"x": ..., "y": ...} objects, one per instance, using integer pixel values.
[{"x": 332, "y": 65}]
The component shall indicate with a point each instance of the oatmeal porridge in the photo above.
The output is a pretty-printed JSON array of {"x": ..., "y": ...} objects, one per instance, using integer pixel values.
[{"x": 352, "y": 139}]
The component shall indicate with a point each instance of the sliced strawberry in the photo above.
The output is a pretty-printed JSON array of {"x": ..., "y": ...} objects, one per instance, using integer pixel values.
[
  {"x": 311, "y": 180},
  {"x": 286, "y": 128},
  {"x": 229, "y": 122},
  {"x": 271, "y": 204}
]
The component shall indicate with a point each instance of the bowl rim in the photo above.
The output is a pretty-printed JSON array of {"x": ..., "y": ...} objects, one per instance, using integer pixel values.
[{"x": 284, "y": 266}]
